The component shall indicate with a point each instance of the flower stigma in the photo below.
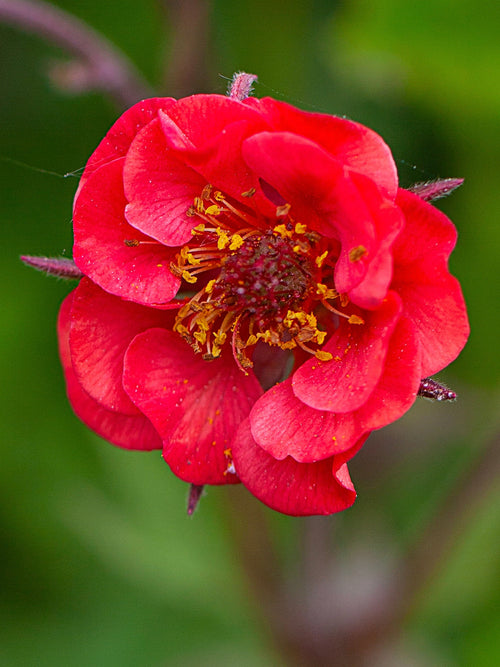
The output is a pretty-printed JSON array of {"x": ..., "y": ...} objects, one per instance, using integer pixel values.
[{"x": 255, "y": 282}]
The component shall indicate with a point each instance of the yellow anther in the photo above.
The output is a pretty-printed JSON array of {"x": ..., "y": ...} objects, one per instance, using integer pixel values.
[
  {"x": 199, "y": 228},
  {"x": 282, "y": 211},
  {"x": 320, "y": 336},
  {"x": 249, "y": 193},
  {"x": 223, "y": 239},
  {"x": 201, "y": 336},
  {"x": 236, "y": 242},
  {"x": 220, "y": 337},
  {"x": 188, "y": 277},
  {"x": 191, "y": 259},
  {"x": 228, "y": 453},
  {"x": 216, "y": 351},
  {"x": 214, "y": 209},
  {"x": 201, "y": 323},
  {"x": 199, "y": 205},
  {"x": 323, "y": 356},
  {"x": 354, "y": 319},
  {"x": 355, "y": 254},
  {"x": 300, "y": 228},
  {"x": 206, "y": 193},
  {"x": 218, "y": 196},
  {"x": 282, "y": 231},
  {"x": 296, "y": 248},
  {"x": 251, "y": 340},
  {"x": 209, "y": 287},
  {"x": 326, "y": 292},
  {"x": 321, "y": 258}
]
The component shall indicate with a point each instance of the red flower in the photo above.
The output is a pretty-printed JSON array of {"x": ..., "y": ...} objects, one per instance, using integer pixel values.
[{"x": 230, "y": 244}]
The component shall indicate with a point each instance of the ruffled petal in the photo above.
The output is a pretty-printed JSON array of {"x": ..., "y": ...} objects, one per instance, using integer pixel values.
[
  {"x": 102, "y": 248},
  {"x": 285, "y": 426},
  {"x": 321, "y": 194},
  {"x": 297, "y": 489},
  {"x": 352, "y": 144},
  {"x": 195, "y": 405},
  {"x": 432, "y": 297},
  {"x": 359, "y": 351},
  {"x": 122, "y": 430},
  {"x": 160, "y": 188},
  {"x": 102, "y": 327},
  {"x": 388, "y": 222},
  {"x": 118, "y": 139}
]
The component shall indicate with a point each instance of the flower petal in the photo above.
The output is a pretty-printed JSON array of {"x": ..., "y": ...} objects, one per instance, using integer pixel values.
[
  {"x": 321, "y": 194},
  {"x": 123, "y": 430},
  {"x": 352, "y": 144},
  {"x": 297, "y": 489},
  {"x": 195, "y": 405},
  {"x": 285, "y": 426},
  {"x": 102, "y": 327},
  {"x": 160, "y": 188},
  {"x": 359, "y": 351},
  {"x": 138, "y": 272},
  {"x": 118, "y": 139},
  {"x": 431, "y": 296},
  {"x": 388, "y": 222}
]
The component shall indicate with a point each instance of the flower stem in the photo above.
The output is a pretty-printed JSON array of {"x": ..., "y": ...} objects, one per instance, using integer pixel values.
[{"x": 99, "y": 64}]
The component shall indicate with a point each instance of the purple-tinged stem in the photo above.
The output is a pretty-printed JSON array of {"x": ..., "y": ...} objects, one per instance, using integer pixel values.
[
  {"x": 431, "y": 190},
  {"x": 430, "y": 388},
  {"x": 241, "y": 85},
  {"x": 54, "y": 266},
  {"x": 195, "y": 492},
  {"x": 99, "y": 64}
]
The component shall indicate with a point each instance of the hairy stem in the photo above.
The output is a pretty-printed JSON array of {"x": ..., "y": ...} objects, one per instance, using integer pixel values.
[{"x": 99, "y": 64}]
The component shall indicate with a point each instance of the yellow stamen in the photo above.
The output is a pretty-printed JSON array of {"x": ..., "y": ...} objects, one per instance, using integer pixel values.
[
  {"x": 354, "y": 319},
  {"x": 188, "y": 277},
  {"x": 300, "y": 228},
  {"x": 214, "y": 209},
  {"x": 236, "y": 242},
  {"x": 209, "y": 287},
  {"x": 322, "y": 355},
  {"x": 355, "y": 254},
  {"x": 320, "y": 259}
]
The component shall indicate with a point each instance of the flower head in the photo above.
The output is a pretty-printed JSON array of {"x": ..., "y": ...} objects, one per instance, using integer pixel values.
[{"x": 259, "y": 295}]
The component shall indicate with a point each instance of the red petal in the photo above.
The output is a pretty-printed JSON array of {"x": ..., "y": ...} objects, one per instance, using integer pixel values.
[
  {"x": 213, "y": 149},
  {"x": 160, "y": 188},
  {"x": 130, "y": 432},
  {"x": 139, "y": 273},
  {"x": 195, "y": 405},
  {"x": 102, "y": 327},
  {"x": 345, "y": 382},
  {"x": 298, "y": 489},
  {"x": 118, "y": 139},
  {"x": 201, "y": 118},
  {"x": 352, "y": 144},
  {"x": 284, "y": 426},
  {"x": 431, "y": 296},
  {"x": 388, "y": 221},
  {"x": 321, "y": 194}
]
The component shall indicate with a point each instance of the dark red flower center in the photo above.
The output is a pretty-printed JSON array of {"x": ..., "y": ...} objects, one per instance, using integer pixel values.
[{"x": 256, "y": 282}]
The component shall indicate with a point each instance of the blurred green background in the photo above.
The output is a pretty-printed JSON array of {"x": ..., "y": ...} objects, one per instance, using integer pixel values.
[{"x": 100, "y": 565}]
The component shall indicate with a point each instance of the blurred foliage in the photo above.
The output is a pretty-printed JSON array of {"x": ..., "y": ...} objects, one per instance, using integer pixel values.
[{"x": 100, "y": 564}]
